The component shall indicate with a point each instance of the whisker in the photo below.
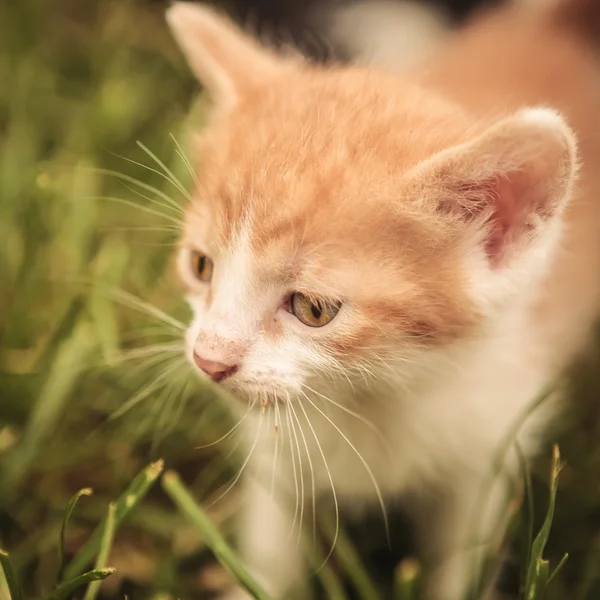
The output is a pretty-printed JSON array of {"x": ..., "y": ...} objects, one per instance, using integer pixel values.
[
  {"x": 243, "y": 467},
  {"x": 277, "y": 426},
  {"x": 358, "y": 416},
  {"x": 130, "y": 203},
  {"x": 167, "y": 411},
  {"x": 228, "y": 434},
  {"x": 169, "y": 175},
  {"x": 147, "y": 420},
  {"x": 184, "y": 396},
  {"x": 177, "y": 209},
  {"x": 150, "y": 362},
  {"x": 168, "y": 244},
  {"x": 363, "y": 461},
  {"x": 150, "y": 331},
  {"x": 235, "y": 446},
  {"x": 127, "y": 299},
  {"x": 160, "y": 173},
  {"x": 296, "y": 486},
  {"x": 312, "y": 473},
  {"x": 138, "y": 183},
  {"x": 146, "y": 391},
  {"x": 301, "y": 474},
  {"x": 155, "y": 228},
  {"x": 148, "y": 351},
  {"x": 185, "y": 160},
  {"x": 333, "y": 493}
]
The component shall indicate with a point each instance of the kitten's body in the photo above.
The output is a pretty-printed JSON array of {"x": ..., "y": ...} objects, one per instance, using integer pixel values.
[{"x": 438, "y": 212}]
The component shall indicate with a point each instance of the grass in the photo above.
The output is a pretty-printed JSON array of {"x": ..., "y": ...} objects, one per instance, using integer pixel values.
[{"x": 91, "y": 391}]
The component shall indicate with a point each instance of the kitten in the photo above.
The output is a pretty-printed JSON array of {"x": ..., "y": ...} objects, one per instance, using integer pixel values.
[{"x": 392, "y": 269}]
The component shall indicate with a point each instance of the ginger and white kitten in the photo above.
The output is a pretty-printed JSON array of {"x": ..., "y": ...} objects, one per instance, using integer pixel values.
[{"x": 392, "y": 269}]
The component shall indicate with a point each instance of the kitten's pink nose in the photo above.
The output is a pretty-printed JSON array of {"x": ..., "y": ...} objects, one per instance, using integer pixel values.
[{"x": 216, "y": 370}]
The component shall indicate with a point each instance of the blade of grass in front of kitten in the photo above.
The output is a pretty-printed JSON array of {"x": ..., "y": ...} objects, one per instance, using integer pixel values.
[
  {"x": 212, "y": 536},
  {"x": 10, "y": 577},
  {"x": 559, "y": 566},
  {"x": 529, "y": 517},
  {"x": 65, "y": 590},
  {"x": 123, "y": 506},
  {"x": 538, "y": 570},
  {"x": 105, "y": 547},
  {"x": 329, "y": 578},
  {"x": 495, "y": 471},
  {"x": 539, "y": 581},
  {"x": 70, "y": 507}
]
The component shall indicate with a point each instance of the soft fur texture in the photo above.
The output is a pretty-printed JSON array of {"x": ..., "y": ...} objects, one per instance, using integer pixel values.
[{"x": 445, "y": 212}]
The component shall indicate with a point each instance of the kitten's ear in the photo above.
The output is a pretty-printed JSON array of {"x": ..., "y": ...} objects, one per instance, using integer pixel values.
[
  {"x": 219, "y": 54},
  {"x": 511, "y": 182}
]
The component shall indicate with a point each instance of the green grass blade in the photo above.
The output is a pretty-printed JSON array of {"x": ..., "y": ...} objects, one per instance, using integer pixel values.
[
  {"x": 329, "y": 578},
  {"x": 105, "y": 547},
  {"x": 211, "y": 535},
  {"x": 528, "y": 529},
  {"x": 70, "y": 507},
  {"x": 539, "y": 581},
  {"x": 559, "y": 566},
  {"x": 495, "y": 471},
  {"x": 536, "y": 569},
  {"x": 9, "y": 575},
  {"x": 123, "y": 506},
  {"x": 331, "y": 584},
  {"x": 65, "y": 590}
]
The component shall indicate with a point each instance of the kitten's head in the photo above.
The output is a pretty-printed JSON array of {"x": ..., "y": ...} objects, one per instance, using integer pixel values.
[{"x": 344, "y": 220}]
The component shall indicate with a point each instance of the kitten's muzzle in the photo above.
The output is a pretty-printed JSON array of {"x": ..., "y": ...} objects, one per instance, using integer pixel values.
[{"x": 217, "y": 371}]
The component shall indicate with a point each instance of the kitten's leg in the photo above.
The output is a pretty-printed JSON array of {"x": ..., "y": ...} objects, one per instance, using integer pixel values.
[
  {"x": 457, "y": 533},
  {"x": 268, "y": 547}
]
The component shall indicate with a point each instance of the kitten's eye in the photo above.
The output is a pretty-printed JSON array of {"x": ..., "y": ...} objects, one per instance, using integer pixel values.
[
  {"x": 314, "y": 313},
  {"x": 202, "y": 266}
]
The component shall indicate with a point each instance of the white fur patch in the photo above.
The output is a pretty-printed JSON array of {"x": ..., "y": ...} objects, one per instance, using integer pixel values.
[
  {"x": 547, "y": 117},
  {"x": 387, "y": 33}
]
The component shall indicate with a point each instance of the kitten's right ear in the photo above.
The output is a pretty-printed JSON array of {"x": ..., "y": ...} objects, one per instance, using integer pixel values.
[
  {"x": 226, "y": 60},
  {"x": 513, "y": 182}
]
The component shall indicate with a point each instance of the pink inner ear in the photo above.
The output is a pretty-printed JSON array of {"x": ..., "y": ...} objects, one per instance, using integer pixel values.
[
  {"x": 506, "y": 218},
  {"x": 515, "y": 202},
  {"x": 508, "y": 184}
]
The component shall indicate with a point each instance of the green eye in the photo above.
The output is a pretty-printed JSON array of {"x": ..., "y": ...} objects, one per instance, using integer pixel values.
[
  {"x": 314, "y": 313},
  {"x": 202, "y": 266}
]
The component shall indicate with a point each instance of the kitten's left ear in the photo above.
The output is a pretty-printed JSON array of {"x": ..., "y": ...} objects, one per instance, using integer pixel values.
[
  {"x": 221, "y": 56},
  {"x": 509, "y": 185}
]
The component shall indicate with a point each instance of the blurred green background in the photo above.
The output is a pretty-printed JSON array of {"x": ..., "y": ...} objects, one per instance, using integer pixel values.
[
  {"x": 81, "y": 83},
  {"x": 93, "y": 386}
]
